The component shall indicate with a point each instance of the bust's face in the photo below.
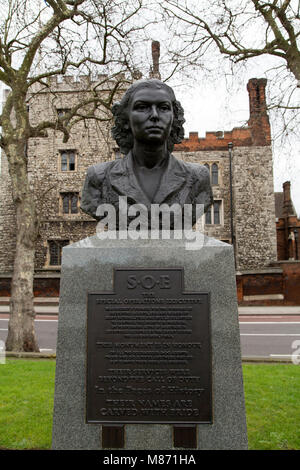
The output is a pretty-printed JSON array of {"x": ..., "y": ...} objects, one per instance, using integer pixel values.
[{"x": 150, "y": 114}]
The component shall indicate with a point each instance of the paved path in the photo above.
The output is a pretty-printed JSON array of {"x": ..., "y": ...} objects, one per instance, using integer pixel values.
[{"x": 273, "y": 310}]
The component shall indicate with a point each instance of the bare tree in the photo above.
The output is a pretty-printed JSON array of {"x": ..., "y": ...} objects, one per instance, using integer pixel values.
[
  {"x": 38, "y": 40},
  {"x": 240, "y": 32}
]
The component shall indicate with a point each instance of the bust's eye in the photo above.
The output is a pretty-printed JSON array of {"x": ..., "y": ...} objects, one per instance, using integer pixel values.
[
  {"x": 165, "y": 107},
  {"x": 140, "y": 106}
]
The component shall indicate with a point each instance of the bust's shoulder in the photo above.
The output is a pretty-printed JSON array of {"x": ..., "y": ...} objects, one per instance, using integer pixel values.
[
  {"x": 196, "y": 170},
  {"x": 96, "y": 173}
]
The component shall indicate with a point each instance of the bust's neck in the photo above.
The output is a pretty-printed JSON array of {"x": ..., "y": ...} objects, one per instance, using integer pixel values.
[{"x": 149, "y": 156}]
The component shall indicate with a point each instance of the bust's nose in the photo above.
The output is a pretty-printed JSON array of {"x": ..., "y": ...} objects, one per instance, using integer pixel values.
[{"x": 154, "y": 113}]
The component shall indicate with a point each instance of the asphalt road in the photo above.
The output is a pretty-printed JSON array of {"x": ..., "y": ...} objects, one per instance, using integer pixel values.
[
  {"x": 270, "y": 336},
  {"x": 263, "y": 336}
]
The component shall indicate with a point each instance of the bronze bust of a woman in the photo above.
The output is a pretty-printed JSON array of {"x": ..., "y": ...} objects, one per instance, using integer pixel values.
[{"x": 148, "y": 123}]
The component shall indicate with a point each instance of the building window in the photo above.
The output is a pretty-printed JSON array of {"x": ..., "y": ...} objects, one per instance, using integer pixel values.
[
  {"x": 214, "y": 174},
  {"x": 67, "y": 160},
  {"x": 216, "y": 209},
  {"x": 208, "y": 217},
  {"x": 55, "y": 251},
  {"x": 70, "y": 203},
  {"x": 208, "y": 167},
  {"x": 61, "y": 112},
  {"x": 214, "y": 214}
]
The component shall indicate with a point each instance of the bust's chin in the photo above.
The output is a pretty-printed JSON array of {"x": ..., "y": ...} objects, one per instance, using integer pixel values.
[{"x": 153, "y": 139}]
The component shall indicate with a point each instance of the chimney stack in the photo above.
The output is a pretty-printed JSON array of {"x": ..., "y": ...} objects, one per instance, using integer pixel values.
[
  {"x": 259, "y": 120},
  {"x": 287, "y": 201},
  {"x": 154, "y": 70}
]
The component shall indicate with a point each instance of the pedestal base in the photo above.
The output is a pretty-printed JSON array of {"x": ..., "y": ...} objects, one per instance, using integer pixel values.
[{"x": 88, "y": 266}]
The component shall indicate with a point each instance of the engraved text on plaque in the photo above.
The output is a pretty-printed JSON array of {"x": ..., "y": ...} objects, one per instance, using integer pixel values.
[{"x": 148, "y": 350}]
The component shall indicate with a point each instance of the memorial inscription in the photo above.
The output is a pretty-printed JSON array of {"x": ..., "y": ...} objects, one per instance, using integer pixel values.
[{"x": 148, "y": 350}]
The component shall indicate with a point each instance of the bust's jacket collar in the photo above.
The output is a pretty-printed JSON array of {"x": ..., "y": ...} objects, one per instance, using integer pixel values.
[{"x": 124, "y": 181}]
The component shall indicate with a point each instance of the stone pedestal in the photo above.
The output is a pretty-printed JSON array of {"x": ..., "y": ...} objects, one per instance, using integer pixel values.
[{"x": 88, "y": 266}]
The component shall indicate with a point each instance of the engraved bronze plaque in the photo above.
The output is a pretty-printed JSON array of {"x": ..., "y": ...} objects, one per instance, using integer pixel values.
[{"x": 148, "y": 350}]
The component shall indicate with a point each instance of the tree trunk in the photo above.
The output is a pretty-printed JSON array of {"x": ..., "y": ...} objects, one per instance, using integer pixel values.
[
  {"x": 293, "y": 62},
  {"x": 21, "y": 332}
]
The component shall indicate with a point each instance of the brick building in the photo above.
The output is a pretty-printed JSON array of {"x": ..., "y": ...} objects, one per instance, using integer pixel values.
[
  {"x": 239, "y": 161},
  {"x": 287, "y": 225}
]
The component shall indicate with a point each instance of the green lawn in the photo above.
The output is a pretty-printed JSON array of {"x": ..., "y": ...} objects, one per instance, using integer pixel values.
[
  {"x": 272, "y": 395},
  {"x": 26, "y": 403}
]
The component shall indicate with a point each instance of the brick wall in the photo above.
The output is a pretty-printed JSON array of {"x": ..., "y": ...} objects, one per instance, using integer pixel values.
[
  {"x": 259, "y": 121},
  {"x": 240, "y": 137},
  {"x": 287, "y": 226},
  {"x": 277, "y": 285},
  {"x": 281, "y": 243}
]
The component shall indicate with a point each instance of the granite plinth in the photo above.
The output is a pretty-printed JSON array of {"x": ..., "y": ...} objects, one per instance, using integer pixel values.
[{"x": 87, "y": 266}]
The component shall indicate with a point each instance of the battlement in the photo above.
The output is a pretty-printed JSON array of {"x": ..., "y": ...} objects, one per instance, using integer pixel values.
[
  {"x": 239, "y": 136},
  {"x": 75, "y": 83}
]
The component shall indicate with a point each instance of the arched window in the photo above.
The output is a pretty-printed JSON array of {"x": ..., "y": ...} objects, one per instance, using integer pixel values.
[{"x": 214, "y": 174}]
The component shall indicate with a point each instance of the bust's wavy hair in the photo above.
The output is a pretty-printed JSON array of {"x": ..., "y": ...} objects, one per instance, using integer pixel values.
[{"x": 121, "y": 131}]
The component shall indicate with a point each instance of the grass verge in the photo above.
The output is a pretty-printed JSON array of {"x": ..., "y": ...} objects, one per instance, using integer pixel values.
[
  {"x": 26, "y": 403},
  {"x": 272, "y": 395}
]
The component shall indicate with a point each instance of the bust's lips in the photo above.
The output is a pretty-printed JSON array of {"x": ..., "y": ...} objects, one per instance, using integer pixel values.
[{"x": 154, "y": 128}]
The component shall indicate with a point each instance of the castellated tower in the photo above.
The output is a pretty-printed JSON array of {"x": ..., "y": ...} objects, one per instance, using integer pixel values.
[
  {"x": 254, "y": 201},
  {"x": 241, "y": 167}
]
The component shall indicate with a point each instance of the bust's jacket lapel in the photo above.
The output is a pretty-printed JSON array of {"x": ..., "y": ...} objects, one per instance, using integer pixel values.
[
  {"x": 124, "y": 181},
  {"x": 173, "y": 180}
]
